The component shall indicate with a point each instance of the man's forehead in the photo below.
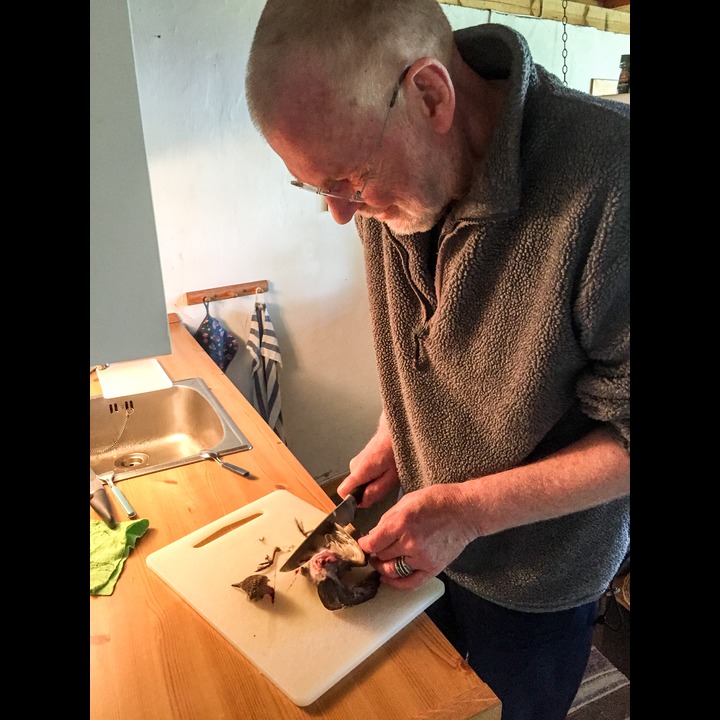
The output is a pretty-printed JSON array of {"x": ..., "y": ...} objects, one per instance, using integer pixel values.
[
  {"x": 302, "y": 94},
  {"x": 309, "y": 153},
  {"x": 315, "y": 127},
  {"x": 304, "y": 128},
  {"x": 308, "y": 126}
]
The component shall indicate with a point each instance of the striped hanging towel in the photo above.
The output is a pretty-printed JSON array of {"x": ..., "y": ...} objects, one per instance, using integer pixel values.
[{"x": 263, "y": 346}]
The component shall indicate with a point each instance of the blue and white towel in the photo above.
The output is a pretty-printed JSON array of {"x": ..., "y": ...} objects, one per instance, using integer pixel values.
[{"x": 263, "y": 346}]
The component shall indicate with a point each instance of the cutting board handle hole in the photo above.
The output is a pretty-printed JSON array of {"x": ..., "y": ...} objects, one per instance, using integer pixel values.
[{"x": 228, "y": 528}]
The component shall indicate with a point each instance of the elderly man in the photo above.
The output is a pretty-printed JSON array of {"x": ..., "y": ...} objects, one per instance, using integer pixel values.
[{"x": 493, "y": 207}]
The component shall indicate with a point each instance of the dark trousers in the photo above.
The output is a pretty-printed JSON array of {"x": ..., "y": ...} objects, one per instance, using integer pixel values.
[{"x": 534, "y": 662}]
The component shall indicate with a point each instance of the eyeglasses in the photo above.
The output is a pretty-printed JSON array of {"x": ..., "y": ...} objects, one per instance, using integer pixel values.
[{"x": 357, "y": 196}]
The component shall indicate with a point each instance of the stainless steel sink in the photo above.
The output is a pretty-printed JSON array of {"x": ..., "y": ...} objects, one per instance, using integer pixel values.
[{"x": 143, "y": 433}]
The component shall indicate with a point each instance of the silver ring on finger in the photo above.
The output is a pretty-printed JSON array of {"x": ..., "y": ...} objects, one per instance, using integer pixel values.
[{"x": 402, "y": 568}]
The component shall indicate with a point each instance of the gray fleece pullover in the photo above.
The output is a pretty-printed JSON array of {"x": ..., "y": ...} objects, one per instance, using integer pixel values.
[{"x": 518, "y": 343}]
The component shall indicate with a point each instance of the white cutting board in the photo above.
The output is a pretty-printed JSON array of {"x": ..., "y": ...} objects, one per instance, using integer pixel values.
[{"x": 299, "y": 645}]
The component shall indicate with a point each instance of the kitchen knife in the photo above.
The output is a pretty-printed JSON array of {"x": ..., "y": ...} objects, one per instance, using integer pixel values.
[
  {"x": 100, "y": 502},
  {"x": 343, "y": 514}
]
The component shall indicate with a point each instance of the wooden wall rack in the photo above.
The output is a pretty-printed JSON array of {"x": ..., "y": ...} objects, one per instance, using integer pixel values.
[{"x": 225, "y": 292}]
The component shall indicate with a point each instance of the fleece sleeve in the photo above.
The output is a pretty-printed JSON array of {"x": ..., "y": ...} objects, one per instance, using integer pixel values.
[{"x": 602, "y": 316}]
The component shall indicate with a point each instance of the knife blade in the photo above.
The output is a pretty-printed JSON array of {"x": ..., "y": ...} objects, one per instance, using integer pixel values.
[
  {"x": 343, "y": 514},
  {"x": 100, "y": 502}
]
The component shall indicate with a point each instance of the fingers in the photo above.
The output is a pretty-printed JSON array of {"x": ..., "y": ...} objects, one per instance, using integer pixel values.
[
  {"x": 390, "y": 573},
  {"x": 384, "y": 540},
  {"x": 396, "y": 567},
  {"x": 374, "y": 464},
  {"x": 349, "y": 484},
  {"x": 373, "y": 543},
  {"x": 376, "y": 490}
]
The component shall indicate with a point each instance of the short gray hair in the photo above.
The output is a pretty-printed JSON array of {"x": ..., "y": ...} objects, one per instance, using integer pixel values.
[{"x": 360, "y": 46}]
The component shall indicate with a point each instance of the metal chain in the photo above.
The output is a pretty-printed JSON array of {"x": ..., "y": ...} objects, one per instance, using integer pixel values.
[
  {"x": 564, "y": 39},
  {"x": 128, "y": 413}
]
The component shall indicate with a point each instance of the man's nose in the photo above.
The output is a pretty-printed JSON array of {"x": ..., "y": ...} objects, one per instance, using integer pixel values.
[{"x": 341, "y": 210}]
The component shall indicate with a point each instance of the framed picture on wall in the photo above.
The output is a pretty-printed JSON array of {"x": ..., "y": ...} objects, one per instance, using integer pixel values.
[{"x": 600, "y": 86}]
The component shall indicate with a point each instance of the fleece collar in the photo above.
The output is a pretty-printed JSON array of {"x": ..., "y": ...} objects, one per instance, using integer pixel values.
[{"x": 497, "y": 52}]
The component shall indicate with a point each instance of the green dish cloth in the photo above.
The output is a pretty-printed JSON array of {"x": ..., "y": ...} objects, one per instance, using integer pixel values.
[{"x": 109, "y": 550}]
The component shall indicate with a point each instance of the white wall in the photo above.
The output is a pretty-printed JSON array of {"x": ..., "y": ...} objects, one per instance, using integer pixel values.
[{"x": 226, "y": 213}]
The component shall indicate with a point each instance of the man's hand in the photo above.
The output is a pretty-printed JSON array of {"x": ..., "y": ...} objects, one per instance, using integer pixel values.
[
  {"x": 374, "y": 464},
  {"x": 431, "y": 526},
  {"x": 426, "y": 528}
]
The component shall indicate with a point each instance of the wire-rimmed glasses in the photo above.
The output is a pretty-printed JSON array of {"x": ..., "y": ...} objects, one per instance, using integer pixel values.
[{"x": 357, "y": 196}]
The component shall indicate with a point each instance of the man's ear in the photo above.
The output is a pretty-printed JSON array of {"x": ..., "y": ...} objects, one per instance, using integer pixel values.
[{"x": 435, "y": 92}]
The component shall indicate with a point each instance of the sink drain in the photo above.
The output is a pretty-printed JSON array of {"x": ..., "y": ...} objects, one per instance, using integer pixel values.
[{"x": 132, "y": 460}]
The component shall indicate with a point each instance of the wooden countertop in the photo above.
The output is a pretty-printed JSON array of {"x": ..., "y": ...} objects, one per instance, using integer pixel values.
[{"x": 153, "y": 657}]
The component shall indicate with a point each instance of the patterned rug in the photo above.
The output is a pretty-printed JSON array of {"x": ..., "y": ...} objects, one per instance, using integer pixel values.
[{"x": 604, "y": 693}]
